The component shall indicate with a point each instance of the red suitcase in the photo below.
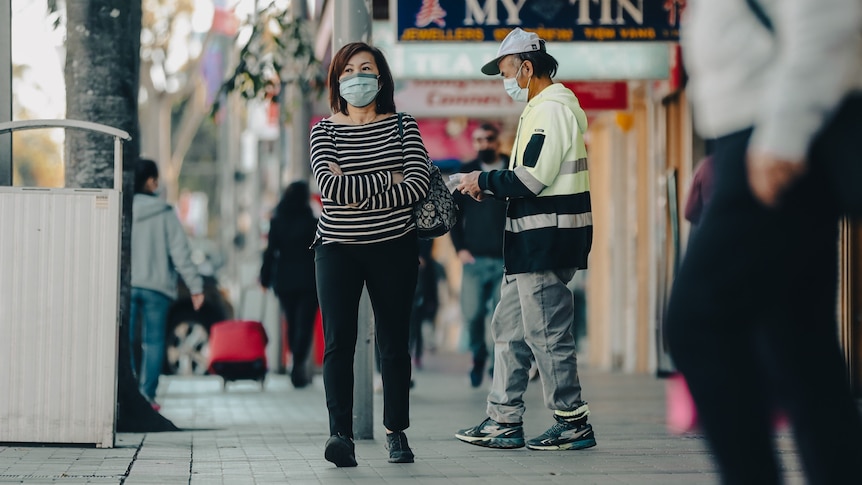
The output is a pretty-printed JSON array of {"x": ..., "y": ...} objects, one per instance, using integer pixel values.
[{"x": 238, "y": 351}]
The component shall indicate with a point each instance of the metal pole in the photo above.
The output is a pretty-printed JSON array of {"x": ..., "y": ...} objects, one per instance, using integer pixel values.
[
  {"x": 5, "y": 90},
  {"x": 300, "y": 166},
  {"x": 227, "y": 161},
  {"x": 352, "y": 23}
]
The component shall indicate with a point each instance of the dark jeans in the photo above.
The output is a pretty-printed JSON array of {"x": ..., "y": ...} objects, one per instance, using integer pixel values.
[
  {"x": 480, "y": 293},
  {"x": 752, "y": 327},
  {"x": 147, "y": 327},
  {"x": 388, "y": 269},
  {"x": 300, "y": 308},
  {"x": 425, "y": 305}
]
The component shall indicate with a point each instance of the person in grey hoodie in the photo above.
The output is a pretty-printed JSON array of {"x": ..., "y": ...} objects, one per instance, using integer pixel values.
[
  {"x": 548, "y": 235},
  {"x": 751, "y": 320},
  {"x": 160, "y": 251}
]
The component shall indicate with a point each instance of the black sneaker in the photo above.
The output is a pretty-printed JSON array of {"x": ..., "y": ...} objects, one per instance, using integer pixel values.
[
  {"x": 565, "y": 435},
  {"x": 340, "y": 450},
  {"x": 399, "y": 450},
  {"x": 492, "y": 434}
]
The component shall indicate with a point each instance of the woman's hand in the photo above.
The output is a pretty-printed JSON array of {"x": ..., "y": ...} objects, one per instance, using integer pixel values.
[
  {"x": 770, "y": 177},
  {"x": 335, "y": 168},
  {"x": 397, "y": 178}
]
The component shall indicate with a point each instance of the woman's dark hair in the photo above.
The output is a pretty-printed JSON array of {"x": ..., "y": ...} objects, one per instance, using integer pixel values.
[
  {"x": 294, "y": 201},
  {"x": 145, "y": 169},
  {"x": 544, "y": 64},
  {"x": 385, "y": 102}
]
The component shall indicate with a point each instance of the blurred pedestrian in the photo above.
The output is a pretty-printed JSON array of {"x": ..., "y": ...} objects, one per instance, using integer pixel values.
[
  {"x": 160, "y": 250},
  {"x": 478, "y": 239},
  {"x": 288, "y": 268},
  {"x": 700, "y": 191},
  {"x": 752, "y": 315},
  {"x": 370, "y": 176},
  {"x": 425, "y": 301},
  {"x": 547, "y": 239}
]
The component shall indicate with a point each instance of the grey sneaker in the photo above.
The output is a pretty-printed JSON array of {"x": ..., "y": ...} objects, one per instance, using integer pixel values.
[
  {"x": 492, "y": 434},
  {"x": 565, "y": 435}
]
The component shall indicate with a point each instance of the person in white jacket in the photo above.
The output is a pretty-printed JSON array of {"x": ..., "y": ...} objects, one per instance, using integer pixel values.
[
  {"x": 160, "y": 251},
  {"x": 547, "y": 238},
  {"x": 751, "y": 319}
]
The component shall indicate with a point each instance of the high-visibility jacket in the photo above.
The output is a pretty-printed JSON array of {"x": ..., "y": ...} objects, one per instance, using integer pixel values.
[{"x": 549, "y": 222}]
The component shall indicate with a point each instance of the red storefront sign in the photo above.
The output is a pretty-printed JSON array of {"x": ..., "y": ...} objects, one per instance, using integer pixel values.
[
  {"x": 597, "y": 96},
  {"x": 487, "y": 98}
]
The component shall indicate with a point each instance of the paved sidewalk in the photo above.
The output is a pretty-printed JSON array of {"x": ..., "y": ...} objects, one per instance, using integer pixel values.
[{"x": 276, "y": 436}]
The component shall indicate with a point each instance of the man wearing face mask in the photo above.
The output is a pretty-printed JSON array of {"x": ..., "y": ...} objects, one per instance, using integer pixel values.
[
  {"x": 547, "y": 238},
  {"x": 478, "y": 238}
]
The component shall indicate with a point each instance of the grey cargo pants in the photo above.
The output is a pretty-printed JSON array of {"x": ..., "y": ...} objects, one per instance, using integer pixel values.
[{"x": 534, "y": 320}]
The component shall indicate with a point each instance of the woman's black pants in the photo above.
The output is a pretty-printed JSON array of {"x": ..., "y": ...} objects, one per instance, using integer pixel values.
[
  {"x": 388, "y": 269},
  {"x": 752, "y": 327}
]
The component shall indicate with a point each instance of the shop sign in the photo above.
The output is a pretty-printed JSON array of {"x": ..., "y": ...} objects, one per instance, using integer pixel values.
[
  {"x": 578, "y": 60},
  {"x": 597, "y": 96},
  {"x": 476, "y": 99},
  {"x": 553, "y": 20},
  {"x": 482, "y": 99}
]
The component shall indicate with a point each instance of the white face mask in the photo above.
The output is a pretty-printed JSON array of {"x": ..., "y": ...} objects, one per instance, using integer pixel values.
[
  {"x": 517, "y": 92},
  {"x": 359, "y": 89}
]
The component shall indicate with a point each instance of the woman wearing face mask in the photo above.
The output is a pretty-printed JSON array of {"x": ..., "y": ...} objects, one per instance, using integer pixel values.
[{"x": 369, "y": 176}]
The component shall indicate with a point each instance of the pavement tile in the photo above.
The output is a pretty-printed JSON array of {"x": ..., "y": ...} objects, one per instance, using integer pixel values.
[{"x": 243, "y": 435}]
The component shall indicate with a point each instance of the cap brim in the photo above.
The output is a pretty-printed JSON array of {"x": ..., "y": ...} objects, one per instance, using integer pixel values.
[{"x": 491, "y": 68}]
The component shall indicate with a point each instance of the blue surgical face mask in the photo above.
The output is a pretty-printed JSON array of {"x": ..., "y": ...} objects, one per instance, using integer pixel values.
[
  {"x": 359, "y": 89},
  {"x": 517, "y": 92}
]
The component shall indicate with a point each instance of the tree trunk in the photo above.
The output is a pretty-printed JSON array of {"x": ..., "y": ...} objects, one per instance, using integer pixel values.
[{"x": 102, "y": 64}]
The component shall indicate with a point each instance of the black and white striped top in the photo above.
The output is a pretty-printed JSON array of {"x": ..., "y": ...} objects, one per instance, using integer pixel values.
[{"x": 363, "y": 205}]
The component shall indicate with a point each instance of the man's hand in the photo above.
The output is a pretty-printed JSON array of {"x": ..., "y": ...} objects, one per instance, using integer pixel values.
[
  {"x": 770, "y": 177},
  {"x": 335, "y": 168},
  {"x": 466, "y": 257},
  {"x": 469, "y": 185},
  {"x": 397, "y": 178},
  {"x": 197, "y": 301}
]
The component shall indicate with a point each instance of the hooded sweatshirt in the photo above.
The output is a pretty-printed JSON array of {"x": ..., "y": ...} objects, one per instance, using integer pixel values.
[
  {"x": 549, "y": 222},
  {"x": 160, "y": 248}
]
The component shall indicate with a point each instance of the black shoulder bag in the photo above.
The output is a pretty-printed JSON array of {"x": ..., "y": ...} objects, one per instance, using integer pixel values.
[{"x": 435, "y": 214}]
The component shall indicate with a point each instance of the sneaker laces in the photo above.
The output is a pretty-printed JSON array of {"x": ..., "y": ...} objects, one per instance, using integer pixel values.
[
  {"x": 558, "y": 428},
  {"x": 395, "y": 441}
]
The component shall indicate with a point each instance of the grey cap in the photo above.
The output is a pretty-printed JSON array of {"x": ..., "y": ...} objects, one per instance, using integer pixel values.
[{"x": 518, "y": 41}]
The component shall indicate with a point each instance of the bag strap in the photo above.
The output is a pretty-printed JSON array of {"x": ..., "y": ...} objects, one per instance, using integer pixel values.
[
  {"x": 758, "y": 12},
  {"x": 401, "y": 135}
]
